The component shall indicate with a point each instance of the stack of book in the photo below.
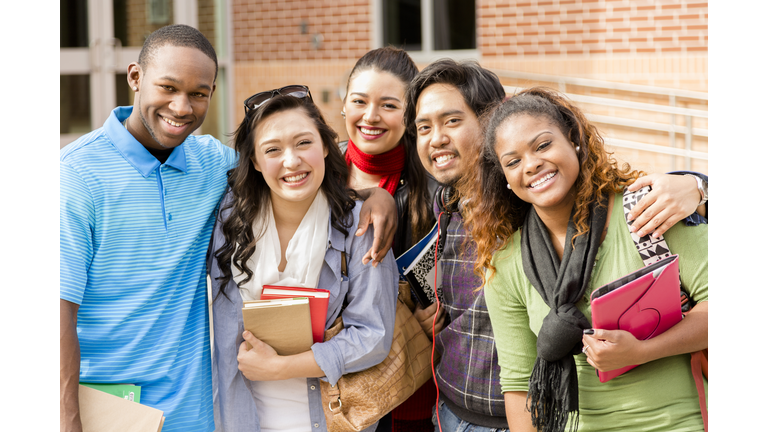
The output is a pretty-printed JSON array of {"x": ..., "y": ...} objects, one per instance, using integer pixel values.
[
  {"x": 110, "y": 409},
  {"x": 289, "y": 319}
]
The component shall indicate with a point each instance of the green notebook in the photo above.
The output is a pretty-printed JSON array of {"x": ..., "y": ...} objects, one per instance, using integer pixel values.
[{"x": 126, "y": 391}]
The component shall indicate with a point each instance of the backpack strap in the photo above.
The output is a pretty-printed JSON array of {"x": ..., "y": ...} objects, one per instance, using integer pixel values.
[{"x": 652, "y": 250}]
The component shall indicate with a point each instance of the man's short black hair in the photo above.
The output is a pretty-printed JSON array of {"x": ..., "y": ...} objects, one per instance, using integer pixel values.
[
  {"x": 480, "y": 87},
  {"x": 176, "y": 35}
]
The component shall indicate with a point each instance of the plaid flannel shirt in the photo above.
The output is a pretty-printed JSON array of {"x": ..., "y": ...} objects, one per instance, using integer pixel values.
[{"x": 468, "y": 372}]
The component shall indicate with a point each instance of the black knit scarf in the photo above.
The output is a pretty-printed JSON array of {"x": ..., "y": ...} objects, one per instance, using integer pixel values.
[{"x": 553, "y": 387}]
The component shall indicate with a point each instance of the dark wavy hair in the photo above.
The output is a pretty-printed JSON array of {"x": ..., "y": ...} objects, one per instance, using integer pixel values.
[
  {"x": 250, "y": 193},
  {"x": 398, "y": 63},
  {"x": 494, "y": 213}
]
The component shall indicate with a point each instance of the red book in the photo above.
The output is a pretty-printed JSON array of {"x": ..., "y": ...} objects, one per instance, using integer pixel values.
[{"x": 318, "y": 304}]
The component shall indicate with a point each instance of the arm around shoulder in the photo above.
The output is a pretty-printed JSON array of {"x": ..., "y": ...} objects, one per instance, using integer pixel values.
[
  {"x": 672, "y": 198},
  {"x": 379, "y": 209}
]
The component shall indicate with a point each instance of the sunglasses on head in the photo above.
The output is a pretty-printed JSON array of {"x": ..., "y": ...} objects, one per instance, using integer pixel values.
[{"x": 257, "y": 100}]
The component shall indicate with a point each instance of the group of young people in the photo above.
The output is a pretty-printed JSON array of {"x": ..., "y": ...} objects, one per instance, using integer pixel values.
[{"x": 148, "y": 210}]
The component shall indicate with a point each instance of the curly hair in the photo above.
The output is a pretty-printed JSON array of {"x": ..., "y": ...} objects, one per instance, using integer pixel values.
[
  {"x": 250, "y": 193},
  {"x": 493, "y": 213},
  {"x": 398, "y": 63}
]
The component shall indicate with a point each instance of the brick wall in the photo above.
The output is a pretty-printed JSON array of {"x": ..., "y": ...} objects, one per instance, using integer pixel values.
[
  {"x": 650, "y": 42},
  {"x": 591, "y": 27},
  {"x": 270, "y": 50},
  {"x": 271, "y": 30},
  {"x": 136, "y": 17},
  {"x": 206, "y": 19}
]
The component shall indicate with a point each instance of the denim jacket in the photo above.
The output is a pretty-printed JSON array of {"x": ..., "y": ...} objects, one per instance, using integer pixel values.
[{"x": 369, "y": 319}]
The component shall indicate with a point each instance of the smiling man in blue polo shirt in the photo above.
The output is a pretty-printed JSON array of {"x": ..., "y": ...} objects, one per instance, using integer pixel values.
[
  {"x": 137, "y": 205},
  {"x": 137, "y": 202}
]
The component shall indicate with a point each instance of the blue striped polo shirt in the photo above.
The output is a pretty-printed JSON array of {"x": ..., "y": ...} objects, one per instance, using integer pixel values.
[{"x": 134, "y": 235}]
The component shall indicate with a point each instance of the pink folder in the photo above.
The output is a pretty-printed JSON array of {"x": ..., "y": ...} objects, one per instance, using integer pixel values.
[{"x": 645, "y": 303}]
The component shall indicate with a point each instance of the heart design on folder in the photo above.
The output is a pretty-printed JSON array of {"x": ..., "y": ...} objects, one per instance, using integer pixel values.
[{"x": 642, "y": 322}]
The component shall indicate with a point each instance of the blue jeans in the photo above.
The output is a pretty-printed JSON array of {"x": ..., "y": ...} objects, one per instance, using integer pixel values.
[{"x": 451, "y": 423}]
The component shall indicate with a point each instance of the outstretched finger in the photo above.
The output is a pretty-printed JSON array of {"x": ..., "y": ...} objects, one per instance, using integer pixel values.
[
  {"x": 648, "y": 220},
  {"x": 376, "y": 253},
  {"x": 638, "y": 212},
  {"x": 669, "y": 223},
  {"x": 365, "y": 220},
  {"x": 641, "y": 183},
  {"x": 380, "y": 248}
]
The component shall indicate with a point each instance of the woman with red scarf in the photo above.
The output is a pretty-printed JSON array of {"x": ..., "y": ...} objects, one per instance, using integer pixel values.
[{"x": 382, "y": 153}]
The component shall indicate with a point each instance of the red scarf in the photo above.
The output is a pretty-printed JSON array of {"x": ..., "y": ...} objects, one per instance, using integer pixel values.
[{"x": 388, "y": 165}]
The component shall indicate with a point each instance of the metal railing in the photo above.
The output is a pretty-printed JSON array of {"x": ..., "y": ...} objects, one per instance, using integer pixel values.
[{"x": 674, "y": 96}]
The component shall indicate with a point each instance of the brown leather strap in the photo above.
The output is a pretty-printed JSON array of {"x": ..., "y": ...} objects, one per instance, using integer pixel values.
[
  {"x": 334, "y": 396},
  {"x": 344, "y": 264}
]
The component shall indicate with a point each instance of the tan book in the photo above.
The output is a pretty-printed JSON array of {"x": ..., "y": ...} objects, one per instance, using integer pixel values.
[
  {"x": 103, "y": 412},
  {"x": 283, "y": 324}
]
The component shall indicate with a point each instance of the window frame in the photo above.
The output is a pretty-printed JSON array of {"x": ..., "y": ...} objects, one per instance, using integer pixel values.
[{"x": 427, "y": 54}]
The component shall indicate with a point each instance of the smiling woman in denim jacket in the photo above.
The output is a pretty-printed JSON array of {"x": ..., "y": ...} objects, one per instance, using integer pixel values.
[{"x": 285, "y": 221}]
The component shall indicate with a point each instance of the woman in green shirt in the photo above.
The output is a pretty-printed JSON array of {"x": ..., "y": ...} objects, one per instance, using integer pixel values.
[{"x": 546, "y": 214}]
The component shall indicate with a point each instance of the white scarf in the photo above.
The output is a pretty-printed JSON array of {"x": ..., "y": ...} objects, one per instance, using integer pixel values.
[{"x": 305, "y": 253}]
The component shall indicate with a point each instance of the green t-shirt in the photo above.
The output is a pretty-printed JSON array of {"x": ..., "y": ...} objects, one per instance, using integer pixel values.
[{"x": 657, "y": 396}]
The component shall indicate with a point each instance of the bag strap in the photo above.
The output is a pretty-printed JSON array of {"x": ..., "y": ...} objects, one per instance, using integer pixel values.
[
  {"x": 652, "y": 250},
  {"x": 344, "y": 264},
  {"x": 345, "y": 274}
]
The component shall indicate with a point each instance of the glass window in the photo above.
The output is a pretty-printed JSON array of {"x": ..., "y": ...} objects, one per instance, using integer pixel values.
[
  {"x": 451, "y": 27},
  {"x": 402, "y": 24},
  {"x": 119, "y": 11},
  {"x": 135, "y": 20},
  {"x": 123, "y": 93},
  {"x": 75, "y": 104},
  {"x": 73, "y": 24},
  {"x": 454, "y": 24}
]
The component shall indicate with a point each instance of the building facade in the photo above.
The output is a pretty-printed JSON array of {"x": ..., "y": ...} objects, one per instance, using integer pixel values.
[{"x": 638, "y": 66}]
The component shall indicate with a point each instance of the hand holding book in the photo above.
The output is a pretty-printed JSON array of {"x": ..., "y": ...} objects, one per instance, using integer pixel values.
[
  {"x": 613, "y": 349},
  {"x": 426, "y": 318},
  {"x": 263, "y": 363},
  {"x": 255, "y": 359}
]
